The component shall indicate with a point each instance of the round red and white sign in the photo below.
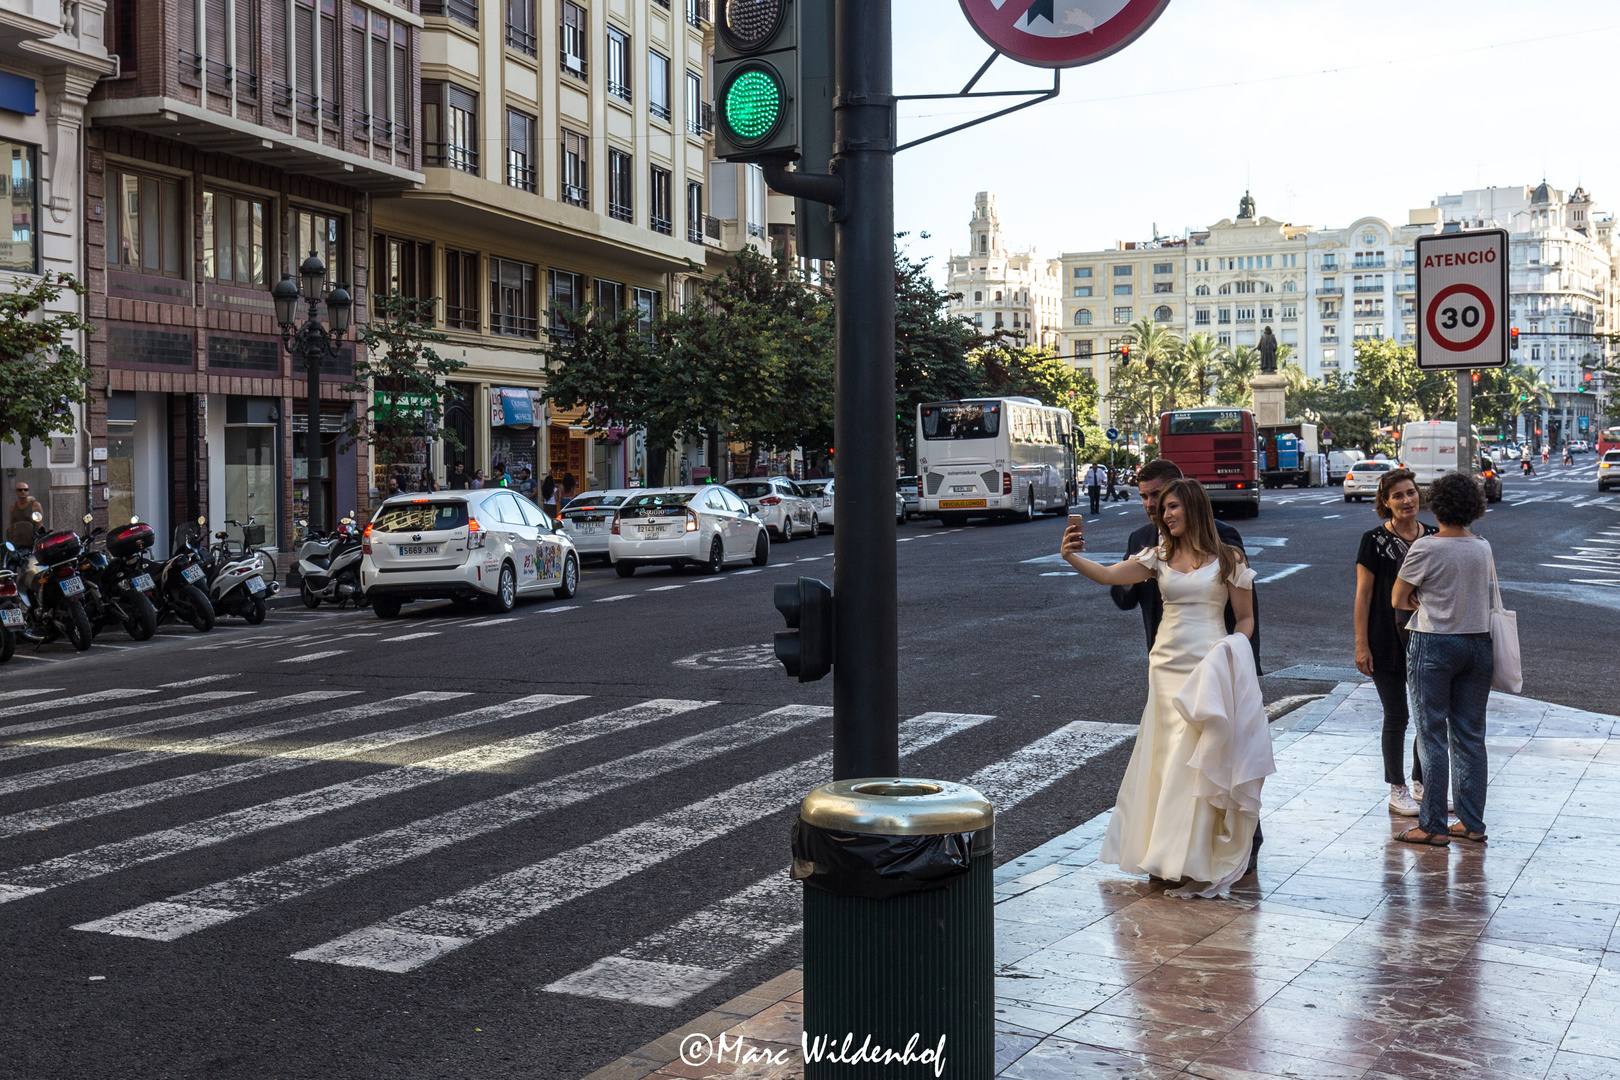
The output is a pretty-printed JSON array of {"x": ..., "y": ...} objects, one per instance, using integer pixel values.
[
  {"x": 1061, "y": 33},
  {"x": 1460, "y": 318}
]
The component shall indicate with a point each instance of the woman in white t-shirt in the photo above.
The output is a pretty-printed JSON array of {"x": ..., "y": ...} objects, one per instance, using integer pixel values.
[{"x": 1445, "y": 581}]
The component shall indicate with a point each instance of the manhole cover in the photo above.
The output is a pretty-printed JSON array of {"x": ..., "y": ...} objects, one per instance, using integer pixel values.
[
  {"x": 1318, "y": 673},
  {"x": 736, "y": 658}
]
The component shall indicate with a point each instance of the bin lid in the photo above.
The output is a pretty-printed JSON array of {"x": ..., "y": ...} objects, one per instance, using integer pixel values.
[{"x": 897, "y": 806}]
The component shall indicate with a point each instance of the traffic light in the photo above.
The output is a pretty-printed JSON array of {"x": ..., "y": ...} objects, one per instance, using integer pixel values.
[
  {"x": 806, "y": 647},
  {"x": 1124, "y": 353},
  {"x": 1476, "y": 378},
  {"x": 757, "y": 79},
  {"x": 1513, "y": 338}
]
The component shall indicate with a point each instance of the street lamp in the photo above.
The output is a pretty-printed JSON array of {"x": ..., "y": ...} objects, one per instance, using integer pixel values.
[{"x": 312, "y": 343}]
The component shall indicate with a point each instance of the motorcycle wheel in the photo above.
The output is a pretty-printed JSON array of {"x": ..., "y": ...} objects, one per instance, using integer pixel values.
[
  {"x": 78, "y": 628},
  {"x": 191, "y": 605},
  {"x": 8, "y": 644},
  {"x": 307, "y": 594},
  {"x": 256, "y": 611},
  {"x": 143, "y": 622}
]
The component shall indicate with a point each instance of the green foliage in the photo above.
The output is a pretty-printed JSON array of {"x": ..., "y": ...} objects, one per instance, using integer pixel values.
[
  {"x": 1008, "y": 370},
  {"x": 404, "y": 375},
  {"x": 1235, "y": 371},
  {"x": 1333, "y": 403},
  {"x": 41, "y": 374}
]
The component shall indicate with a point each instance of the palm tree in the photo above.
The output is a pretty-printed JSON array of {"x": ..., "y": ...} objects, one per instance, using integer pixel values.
[
  {"x": 1151, "y": 341},
  {"x": 1238, "y": 369},
  {"x": 1203, "y": 352}
]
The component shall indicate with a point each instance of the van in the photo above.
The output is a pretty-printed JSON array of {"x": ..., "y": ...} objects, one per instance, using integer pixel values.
[
  {"x": 1341, "y": 462},
  {"x": 1429, "y": 449}
]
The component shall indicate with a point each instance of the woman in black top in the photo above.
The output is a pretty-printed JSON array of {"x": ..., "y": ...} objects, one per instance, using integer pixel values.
[{"x": 1381, "y": 630}]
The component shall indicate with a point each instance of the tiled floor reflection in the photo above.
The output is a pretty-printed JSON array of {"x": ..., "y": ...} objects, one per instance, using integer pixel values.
[{"x": 1352, "y": 957}]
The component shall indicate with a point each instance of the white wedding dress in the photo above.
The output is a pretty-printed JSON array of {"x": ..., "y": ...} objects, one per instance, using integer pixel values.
[{"x": 1162, "y": 825}]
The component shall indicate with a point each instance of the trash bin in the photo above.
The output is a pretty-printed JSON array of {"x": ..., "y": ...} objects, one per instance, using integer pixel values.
[{"x": 899, "y": 929}]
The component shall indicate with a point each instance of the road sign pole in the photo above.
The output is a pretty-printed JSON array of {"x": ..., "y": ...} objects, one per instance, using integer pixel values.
[
  {"x": 1466, "y": 454},
  {"x": 866, "y": 679}
]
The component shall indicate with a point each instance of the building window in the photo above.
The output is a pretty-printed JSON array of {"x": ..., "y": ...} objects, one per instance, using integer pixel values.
[
  {"x": 1201, "y": 317},
  {"x": 1164, "y": 268},
  {"x": 1265, "y": 312},
  {"x": 576, "y": 168},
  {"x": 621, "y": 185},
  {"x": 575, "y": 25},
  {"x": 1245, "y": 314},
  {"x": 699, "y": 116},
  {"x": 1224, "y": 340},
  {"x": 1202, "y": 290},
  {"x": 1122, "y": 290},
  {"x": 1082, "y": 271},
  {"x": 662, "y": 220},
  {"x": 1122, "y": 314},
  {"x": 512, "y": 298},
  {"x": 648, "y": 304},
  {"x": 520, "y": 25},
  {"x": 1288, "y": 286},
  {"x": 1330, "y": 357},
  {"x": 998, "y": 318},
  {"x": 1082, "y": 290},
  {"x": 461, "y": 311},
  {"x": 618, "y": 63},
  {"x": 1245, "y": 286},
  {"x": 1225, "y": 290},
  {"x": 1164, "y": 286},
  {"x": 564, "y": 293},
  {"x": 520, "y": 150},
  {"x": 404, "y": 267},
  {"x": 17, "y": 186},
  {"x": 1289, "y": 312},
  {"x": 1083, "y": 349},
  {"x": 462, "y": 11},
  {"x": 322, "y": 234},
  {"x": 609, "y": 295},
  {"x": 450, "y": 127},
  {"x": 998, "y": 296},
  {"x": 143, "y": 225},
  {"x": 1223, "y": 315},
  {"x": 1082, "y": 317},
  {"x": 233, "y": 239},
  {"x": 1162, "y": 314},
  {"x": 1123, "y": 271},
  {"x": 694, "y": 212},
  {"x": 658, "y": 85}
]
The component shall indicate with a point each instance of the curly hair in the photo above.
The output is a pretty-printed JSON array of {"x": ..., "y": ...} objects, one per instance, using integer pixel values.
[
  {"x": 1457, "y": 499},
  {"x": 1386, "y": 485}
]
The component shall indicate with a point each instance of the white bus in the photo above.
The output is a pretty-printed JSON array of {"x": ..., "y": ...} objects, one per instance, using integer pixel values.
[{"x": 993, "y": 457}]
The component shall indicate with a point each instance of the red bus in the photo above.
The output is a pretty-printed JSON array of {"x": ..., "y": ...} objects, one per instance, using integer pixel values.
[
  {"x": 1216, "y": 447},
  {"x": 1608, "y": 439}
]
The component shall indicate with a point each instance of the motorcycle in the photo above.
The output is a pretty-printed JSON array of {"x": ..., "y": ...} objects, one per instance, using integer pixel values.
[
  {"x": 11, "y": 611},
  {"x": 329, "y": 566},
  {"x": 177, "y": 580},
  {"x": 111, "y": 594},
  {"x": 236, "y": 583},
  {"x": 51, "y": 588}
]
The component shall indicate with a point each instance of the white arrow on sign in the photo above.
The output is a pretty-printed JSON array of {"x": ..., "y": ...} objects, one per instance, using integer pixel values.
[{"x": 1462, "y": 300}]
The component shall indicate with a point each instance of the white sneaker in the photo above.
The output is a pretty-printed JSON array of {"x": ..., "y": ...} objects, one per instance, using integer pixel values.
[
  {"x": 1417, "y": 796},
  {"x": 1401, "y": 801}
]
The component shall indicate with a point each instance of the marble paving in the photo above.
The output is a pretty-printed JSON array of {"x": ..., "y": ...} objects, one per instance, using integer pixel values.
[{"x": 1348, "y": 957}]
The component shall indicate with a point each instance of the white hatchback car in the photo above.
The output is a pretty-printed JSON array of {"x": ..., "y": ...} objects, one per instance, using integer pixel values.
[
  {"x": 1361, "y": 481},
  {"x": 490, "y": 543},
  {"x": 830, "y": 507},
  {"x": 778, "y": 502},
  {"x": 703, "y": 526},
  {"x": 588, "y": 519}
]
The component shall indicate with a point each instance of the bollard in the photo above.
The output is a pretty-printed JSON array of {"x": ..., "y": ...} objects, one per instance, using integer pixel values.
[{"x": 899, "y": 930}]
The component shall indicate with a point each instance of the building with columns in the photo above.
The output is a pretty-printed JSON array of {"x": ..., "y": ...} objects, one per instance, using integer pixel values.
[{"x": 999, "y": 287}]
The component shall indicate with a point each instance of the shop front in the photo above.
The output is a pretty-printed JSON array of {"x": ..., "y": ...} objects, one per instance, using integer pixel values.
[{"x": 514, "y": 434}]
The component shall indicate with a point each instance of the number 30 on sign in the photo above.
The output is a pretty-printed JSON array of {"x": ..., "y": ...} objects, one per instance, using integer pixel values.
[{"x": 1462, "y": 300}]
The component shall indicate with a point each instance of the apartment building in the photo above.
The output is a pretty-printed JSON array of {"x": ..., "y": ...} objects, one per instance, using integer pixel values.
[
  {"x": 1244, "y": 274},
  {"x": 999, "y": 288}
]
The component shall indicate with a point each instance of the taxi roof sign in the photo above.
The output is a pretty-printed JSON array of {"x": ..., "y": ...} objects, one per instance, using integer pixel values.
[{"x": 1462, "y": 293}]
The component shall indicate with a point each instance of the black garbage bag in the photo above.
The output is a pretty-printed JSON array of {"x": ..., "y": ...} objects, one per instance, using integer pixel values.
[{"x": 877, "y": 867}]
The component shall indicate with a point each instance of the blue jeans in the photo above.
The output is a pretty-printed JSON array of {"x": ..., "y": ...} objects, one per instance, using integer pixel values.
[{"x": 1448, "y": 678}]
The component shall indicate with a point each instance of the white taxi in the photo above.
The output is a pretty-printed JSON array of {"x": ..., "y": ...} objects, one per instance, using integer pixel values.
[
  {"x": 490, "y": 543},
  {"x": 1361, "y": 482},
  {"x": 703, "y": 526},
  {"x": 778, "y": 502},
  {"x": 588, "y": 519}
]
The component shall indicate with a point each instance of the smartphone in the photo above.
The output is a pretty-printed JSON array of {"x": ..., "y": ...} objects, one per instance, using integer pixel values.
[{"x": 1078, "y": 521}]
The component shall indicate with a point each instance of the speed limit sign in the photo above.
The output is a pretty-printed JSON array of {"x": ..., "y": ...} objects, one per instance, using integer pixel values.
[{"x": 1462, "y": 285}]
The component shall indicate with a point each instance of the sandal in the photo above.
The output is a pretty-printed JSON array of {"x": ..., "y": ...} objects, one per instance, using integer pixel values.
[
  {"x": 1459, "y": 830},
  {"x": 1416, "y": 835}
]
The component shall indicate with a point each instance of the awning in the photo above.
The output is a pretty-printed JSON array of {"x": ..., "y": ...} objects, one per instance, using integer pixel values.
[{"x": 512, "y": 406}]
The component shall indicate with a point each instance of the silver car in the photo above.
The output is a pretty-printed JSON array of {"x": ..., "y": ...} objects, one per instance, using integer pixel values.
[{"x": 780, "y": 504}]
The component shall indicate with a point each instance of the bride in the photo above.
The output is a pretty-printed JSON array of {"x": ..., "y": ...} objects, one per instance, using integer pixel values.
[{"x": 1165, "y": 823}]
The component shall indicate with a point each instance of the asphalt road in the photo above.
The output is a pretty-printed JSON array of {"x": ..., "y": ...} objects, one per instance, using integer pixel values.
[{"x": 464, "y": 846}]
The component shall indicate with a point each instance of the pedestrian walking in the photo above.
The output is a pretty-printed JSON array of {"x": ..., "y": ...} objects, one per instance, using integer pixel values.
[
  {"x": 525, "y": 484},
  {"x": 20, "y": 531},
  {"x": 548, "y": 496},
  {"x": 1546, "y": 453},
  {"x": 1095, "y": 477},
  {"x": 1381, "y": 636},
  {"x": 458, "y": 479},
  {"x": 1569, "y": 457},
  {"x": 1446, "y": 582},
  {"x": 477, "y": 480},
  {"x": 570, "y": 488}
]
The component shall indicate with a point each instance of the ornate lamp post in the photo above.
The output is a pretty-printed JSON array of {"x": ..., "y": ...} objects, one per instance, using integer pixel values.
[{"x": 312, "y": 343}]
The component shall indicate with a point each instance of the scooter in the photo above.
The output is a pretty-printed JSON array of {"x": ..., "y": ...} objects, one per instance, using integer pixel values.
[
  {"x": 178, "y": 593},
  {"x": 51, "y": 588},
  {"x": 110, "y": 594},
  {"x": 329, "y": 567},
  {"x": 236, "y": 581},
  {"x": 11, "y": 612}
]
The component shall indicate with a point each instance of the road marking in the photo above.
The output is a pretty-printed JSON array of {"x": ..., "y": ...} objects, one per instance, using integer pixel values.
[
  {"x": 610, "y": 599},
  {"x": 223, "y": 901},
  {"x": 1330, "y": 517},
  {"x": 666, "y": 588},
  {"x": 35, "y": 692},
  {"x": 197, "y": 681},
  {"x": 76, "y": 699},
  {"x": 412, "y": 938},
  {"x": 30, "y": 747},
  {"x": 493, "y": 622},
  {"x": 555, "y": 610},
  {"x": 265, "y": 765},
  {"x": 41, "y": 659},
  {"x": 744, "y": 573},
  {"x": 123, "y": 854},
  {"x": 670, "y": 966},
  {"x": 1282, "y": 570},
  {"x": 1061, "y": 573},
  {"x": 307, "y": 657},
  {"x": 415, "y": 636}
]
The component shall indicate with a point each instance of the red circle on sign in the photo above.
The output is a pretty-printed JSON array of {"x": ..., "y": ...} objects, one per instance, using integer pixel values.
[
  {"x": 999, "y": 24},
  {"x": 1488, "y": 322}
]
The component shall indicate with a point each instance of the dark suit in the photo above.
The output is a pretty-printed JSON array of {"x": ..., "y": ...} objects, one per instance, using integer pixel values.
[{"x": 1146, "y": 594}]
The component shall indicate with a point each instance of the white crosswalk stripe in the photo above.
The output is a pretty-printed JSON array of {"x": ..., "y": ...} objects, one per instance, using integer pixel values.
[
  {"x": 81, "y": 740},
  {"x": 76, "y": 699},
  {"x": 71, "y": 719}
]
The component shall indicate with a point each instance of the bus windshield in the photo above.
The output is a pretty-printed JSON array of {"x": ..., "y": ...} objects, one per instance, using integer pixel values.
[
  {"x": 1206, "y": 422},
  {"x": 962, "y": 420}
]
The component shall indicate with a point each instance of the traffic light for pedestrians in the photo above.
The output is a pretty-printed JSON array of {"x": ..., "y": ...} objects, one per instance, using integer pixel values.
[
  {"x": 760, "y": 94},
  {"x": 806, "y": 647}
]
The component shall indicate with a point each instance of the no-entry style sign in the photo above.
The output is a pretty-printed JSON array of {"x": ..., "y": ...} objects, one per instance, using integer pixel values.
[
  {"x": 1462, "y": 292},
  {"x": 1061, "y": 33}
]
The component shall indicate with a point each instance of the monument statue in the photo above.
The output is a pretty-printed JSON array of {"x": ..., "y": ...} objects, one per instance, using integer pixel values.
[
  {"x": 1246, "y": 207},
  {"x": 1268, "y": 353}
]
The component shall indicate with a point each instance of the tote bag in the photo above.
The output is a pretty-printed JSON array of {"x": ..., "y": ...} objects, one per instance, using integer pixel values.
[{"x": 1507, "y": 673}]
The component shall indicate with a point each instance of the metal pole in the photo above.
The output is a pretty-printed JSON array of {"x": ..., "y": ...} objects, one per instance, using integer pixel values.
[
  {"x": 866, "y": 680},
  {"x": 1465, "y": 445},
  {"x": 307, "y": 347}
]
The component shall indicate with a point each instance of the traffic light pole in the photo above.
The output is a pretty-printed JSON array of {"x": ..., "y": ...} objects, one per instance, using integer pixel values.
[{"x": 1467, "y": 455}]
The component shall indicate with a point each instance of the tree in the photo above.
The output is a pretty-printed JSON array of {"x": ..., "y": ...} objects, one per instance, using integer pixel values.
[
  {"x": 1388, "y": 379},
  {"x": 41, "y": 373},
  {"x": 404, "y": 375},
  {"x": 931, "y": 349},
  {"x": 1204, "y": 353},
  {"x": 1237, "y": 370},
  {"x": 1334, "y": 403},
  {"x": 1031, "y": 371}
]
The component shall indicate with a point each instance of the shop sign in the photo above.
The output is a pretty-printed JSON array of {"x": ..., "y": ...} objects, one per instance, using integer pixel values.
[{"x": 511, "y": 406}]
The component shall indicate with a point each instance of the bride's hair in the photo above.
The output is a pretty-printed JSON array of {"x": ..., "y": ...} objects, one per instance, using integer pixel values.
[{"x": 1199, "y": 534}]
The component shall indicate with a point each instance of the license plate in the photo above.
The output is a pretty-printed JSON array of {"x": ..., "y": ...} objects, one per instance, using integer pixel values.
[
  {"x": 11, "y": 617},
  {"x": 72, "y": 586},
  {"x": 651, "y": 530},
  {"x": 192, "y": 574},
  {"x": 960, "y": 504},
  {"x": 255, "y": 584},
  {"x": 143, "y": 582},
  {"x": 418, "y": 549},
  {"x": 585, "y": 528},
  {"x": 962, "y": 487}
]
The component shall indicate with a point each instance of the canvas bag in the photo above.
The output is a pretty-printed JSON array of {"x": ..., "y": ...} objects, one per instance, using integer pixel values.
[{"x": 1507, "y": 672}]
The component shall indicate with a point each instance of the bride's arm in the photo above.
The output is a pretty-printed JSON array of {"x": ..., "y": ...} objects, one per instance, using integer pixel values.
[
  {"x": 1128, "y": 572},
  {"x": 1242, "y": 609}
]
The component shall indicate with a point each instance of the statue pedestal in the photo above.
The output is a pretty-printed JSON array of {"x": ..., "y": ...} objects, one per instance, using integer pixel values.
[{"x": 1270, "y": 399}]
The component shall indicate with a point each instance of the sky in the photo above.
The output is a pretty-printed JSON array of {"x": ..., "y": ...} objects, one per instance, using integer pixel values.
[{"x": 1325, "y": 111}]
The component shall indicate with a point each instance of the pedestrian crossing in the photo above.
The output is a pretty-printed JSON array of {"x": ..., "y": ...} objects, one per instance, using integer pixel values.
[{"x": 104, "y": 784}]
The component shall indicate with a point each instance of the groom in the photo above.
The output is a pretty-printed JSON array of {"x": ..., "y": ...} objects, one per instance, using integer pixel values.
[{"x": 1150, "y": 480}]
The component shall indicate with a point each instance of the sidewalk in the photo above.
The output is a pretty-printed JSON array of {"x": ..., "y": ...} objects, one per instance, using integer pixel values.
[{"x": 1352, "y": 956}]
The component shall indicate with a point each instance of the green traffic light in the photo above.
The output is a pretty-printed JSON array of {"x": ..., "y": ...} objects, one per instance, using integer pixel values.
[{"x": 754, "y": 103}]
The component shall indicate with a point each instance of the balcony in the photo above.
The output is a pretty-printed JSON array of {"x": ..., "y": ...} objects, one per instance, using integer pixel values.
[
  {"x": 573, "y": 65},
  {"x": 662, "y": 225},
  {"x": 1367, "y": 264},
  {"x": 659, "y": 110},
  {"x": 1369, "y": 288},
  {"x": 450, "y": 156},
  {"x": 621, "y": 211},
  {"x": 699, "y": 118},
  {"x": 1330, "y": 339},
  {"x": 1406, "y": 286},
  {"x": 462, "y": 11},
  {"x": 697, "y": 12},
  {"x": 1330, "y": 290},
  {"x": 576, "y": 195}
]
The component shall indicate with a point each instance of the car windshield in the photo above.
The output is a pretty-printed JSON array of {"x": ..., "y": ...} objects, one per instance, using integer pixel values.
[
  {"x": 665, "y": 502},
  {"x": 814, "y": 487},
  {"x": 594, "y": 498},
  {"x": 750, "y": 491},
  {"x": 1612, "y": 455},
  {"x": 905, "y": 483},
  {"x": 1374, "y": 466},
  {"x": 423, "y": 516},
  {"x": 1224, "y": 422}
]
